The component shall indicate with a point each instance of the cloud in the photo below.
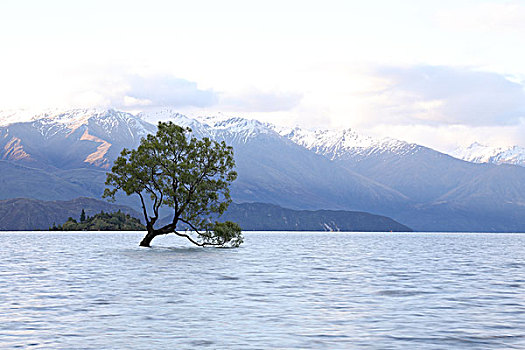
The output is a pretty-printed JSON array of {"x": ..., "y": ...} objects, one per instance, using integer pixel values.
[
  {"x": 137, "y": 92},
  {"x": 448, "y": 95},
  {"x": 164, "y": 91},
  {"x": 446, "y": 138},
  {"x": 254, "y": 100}
]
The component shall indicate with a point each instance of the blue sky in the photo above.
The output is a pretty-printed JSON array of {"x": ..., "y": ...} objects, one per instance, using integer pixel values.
[{"x": 440, "y": 73}]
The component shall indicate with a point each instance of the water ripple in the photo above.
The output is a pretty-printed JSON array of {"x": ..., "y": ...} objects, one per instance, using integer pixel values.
[{"x": 280, "y": 290}]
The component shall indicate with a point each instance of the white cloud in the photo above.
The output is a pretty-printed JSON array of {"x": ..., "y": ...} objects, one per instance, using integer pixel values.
[
  {"x": 163, "y": 91},
  {"x": 254, "y": 100},
  {"x": 446, "y": 138},
  {"x": 309, "y": 67},
  {"x": 136, "y": 102},
  {"x": 439, "y": 95}
]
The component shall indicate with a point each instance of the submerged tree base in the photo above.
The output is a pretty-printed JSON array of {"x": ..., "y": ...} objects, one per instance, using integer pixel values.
[
  {"x": 146, "y": 241},
  {"x": 223, "y": 234}
]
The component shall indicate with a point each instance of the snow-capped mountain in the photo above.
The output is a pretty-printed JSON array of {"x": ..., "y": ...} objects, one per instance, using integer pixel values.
[
  {"x": 109, "y": 121},
  {"x": 61, "y": 138},
  {"x": 478, "y": 153},
  {"x": 388, "y": 161},
  {"x": 332, "y": 144},
  {"x": 8, "y": 117},
  {"x": 345, "y": 144},
  {"x": 233, "y": 129}
]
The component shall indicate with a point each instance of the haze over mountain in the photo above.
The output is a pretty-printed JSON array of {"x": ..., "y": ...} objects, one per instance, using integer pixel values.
[{"x": 66, "y": 154}]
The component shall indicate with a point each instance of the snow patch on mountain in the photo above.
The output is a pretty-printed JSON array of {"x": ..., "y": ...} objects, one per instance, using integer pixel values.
[
  {"x": 8, "y": 117},
  {"x": 52, "y": 121},
  {"x": 108, "y": 129},
  {"x": 116, "y": 121},
  {"x": 479, "y": 153},
  {"x": 333, "y": 144},
  {"x": 108, "y": 121},
  {"x": 241, "y": 130},
  {"x": 218, "y": 126},
  {"x": 346, "y": 143}
]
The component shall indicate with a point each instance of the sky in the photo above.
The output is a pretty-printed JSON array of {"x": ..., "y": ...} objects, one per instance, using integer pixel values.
[{"x": 439, "y": 73}]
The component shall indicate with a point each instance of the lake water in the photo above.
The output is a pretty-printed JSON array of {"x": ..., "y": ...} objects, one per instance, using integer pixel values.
[{"x": 279, "y": 290}]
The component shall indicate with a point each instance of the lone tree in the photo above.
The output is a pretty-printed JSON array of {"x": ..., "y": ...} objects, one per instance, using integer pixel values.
[{"x": 190, "y": 176}]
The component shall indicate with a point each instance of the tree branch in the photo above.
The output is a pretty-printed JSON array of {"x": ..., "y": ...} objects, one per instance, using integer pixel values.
[
  {"x": 158, "y": 202},
  {"x": 195, "y": 242},
  {"x": 193, "y": 187},
  {"x": 199, "y": 233},
  {"x": 144, "y": 208}
]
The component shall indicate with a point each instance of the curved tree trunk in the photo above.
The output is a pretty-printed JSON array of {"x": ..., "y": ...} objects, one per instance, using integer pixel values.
[
  {"x": 146, "y": 241},
  {"x": 152, "y": 233}
]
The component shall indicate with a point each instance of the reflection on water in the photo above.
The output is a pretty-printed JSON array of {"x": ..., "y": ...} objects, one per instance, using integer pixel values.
[{"x": 279, "y": 290}]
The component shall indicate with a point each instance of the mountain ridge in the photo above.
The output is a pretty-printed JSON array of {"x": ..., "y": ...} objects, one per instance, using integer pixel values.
[{"x": 478, "y": 153}]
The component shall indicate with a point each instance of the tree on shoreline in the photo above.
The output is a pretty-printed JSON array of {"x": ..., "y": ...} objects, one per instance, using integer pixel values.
[
  {"x": 116, "y": 221},
  {"x": 189, "y": 175}
]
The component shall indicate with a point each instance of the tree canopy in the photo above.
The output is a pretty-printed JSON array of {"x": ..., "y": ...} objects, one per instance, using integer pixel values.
[{"x": 188, "y": 175}]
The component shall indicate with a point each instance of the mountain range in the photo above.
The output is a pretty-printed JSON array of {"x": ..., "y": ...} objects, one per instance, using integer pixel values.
[
  {"x": 64, "y": 155},
  {"x": 23, "y": 214},
  {"x": 268, "y": 217}
]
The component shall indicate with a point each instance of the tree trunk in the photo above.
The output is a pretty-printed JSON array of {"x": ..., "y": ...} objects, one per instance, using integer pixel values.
[
  {"x": 146, "y": 241},
  {"x": 152, "y": 233}
]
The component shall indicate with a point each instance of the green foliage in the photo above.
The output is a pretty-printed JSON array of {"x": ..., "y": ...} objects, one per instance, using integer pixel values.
[
  {"x": 189, "y": 175},
  {"x": 82, "y": 216},
  {"x": 226, "y": 232},
  {"x": 117, "y": 221}
]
